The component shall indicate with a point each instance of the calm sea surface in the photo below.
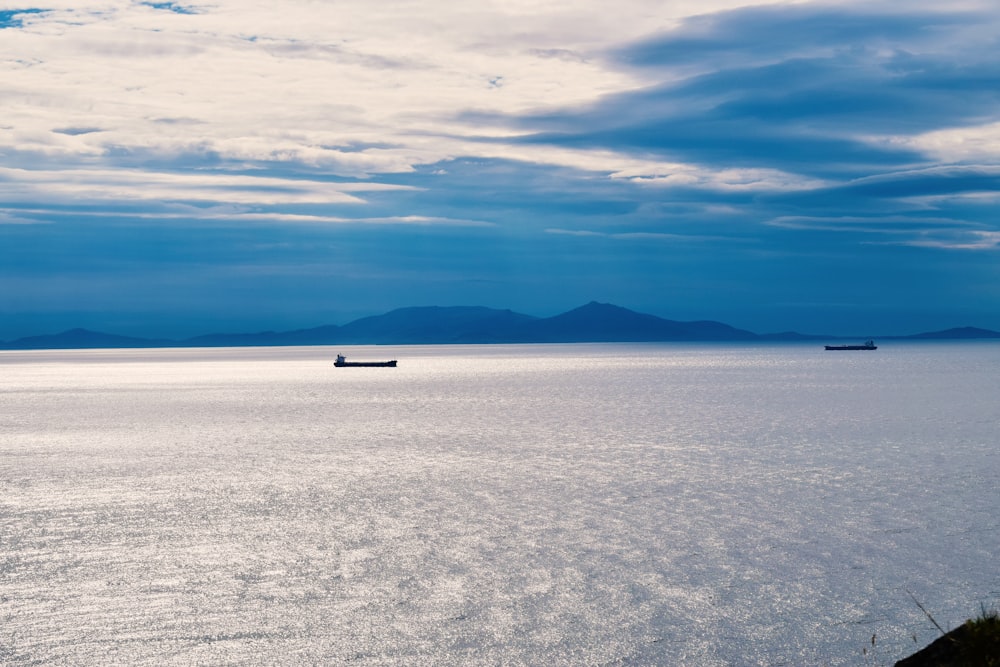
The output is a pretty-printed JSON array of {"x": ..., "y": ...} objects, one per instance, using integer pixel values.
[{"x": 496, "y": 505}]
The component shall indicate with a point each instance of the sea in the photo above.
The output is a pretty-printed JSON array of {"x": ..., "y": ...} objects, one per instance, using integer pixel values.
[{"x": 646, "y": 504}]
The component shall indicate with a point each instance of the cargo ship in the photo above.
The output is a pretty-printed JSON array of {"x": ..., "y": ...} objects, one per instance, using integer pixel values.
[
  {"x": 869, "y": 345},
  {"x": 342, "y": 362}
]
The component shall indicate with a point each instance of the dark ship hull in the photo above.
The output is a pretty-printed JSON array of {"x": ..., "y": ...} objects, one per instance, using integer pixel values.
[
  {"x": 341, "y": 362},
  {"x": 867, "y": 346},
  {"x": 363, "y": 364}
]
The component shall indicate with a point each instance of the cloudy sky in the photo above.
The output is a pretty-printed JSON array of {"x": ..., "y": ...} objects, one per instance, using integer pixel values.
[{"x": 176, "y": 168}]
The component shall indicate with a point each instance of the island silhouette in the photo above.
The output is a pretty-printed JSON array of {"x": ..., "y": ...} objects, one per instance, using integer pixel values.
[{"x": 436, "y": 325}]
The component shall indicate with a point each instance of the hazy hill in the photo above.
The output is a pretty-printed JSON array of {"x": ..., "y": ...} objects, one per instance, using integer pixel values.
[
  {"x": 80, "y": 339},
  {"x": 592, "y": 323},
  {"x": 434, "y": 324},
  {"x": 960, "y": 333},
  {"x": 603, "y": 322},
  {"x": 313, "y": 336}
]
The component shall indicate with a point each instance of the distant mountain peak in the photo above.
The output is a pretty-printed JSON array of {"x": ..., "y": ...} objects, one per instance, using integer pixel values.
[
  {"x": 958, "y": 333},
  {"x": 598, "y": 306},
  {"x": 593, "y": 322}
]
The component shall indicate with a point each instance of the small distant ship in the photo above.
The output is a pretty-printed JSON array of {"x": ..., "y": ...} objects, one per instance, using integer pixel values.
[
  {"x": 342, "y": 362},
  {"x": 869, "y": 345}
]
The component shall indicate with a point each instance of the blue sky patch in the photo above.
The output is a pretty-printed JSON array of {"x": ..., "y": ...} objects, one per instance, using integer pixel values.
[
  {"x": 13, "y": 18},
  {"x": 171, "y": 7}
]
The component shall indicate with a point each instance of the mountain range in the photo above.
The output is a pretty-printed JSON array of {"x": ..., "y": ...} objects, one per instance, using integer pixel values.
[{"x": 592, "y": 323}]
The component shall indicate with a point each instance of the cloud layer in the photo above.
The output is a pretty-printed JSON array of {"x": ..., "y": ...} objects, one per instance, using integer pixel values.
[{"x": 651, "y": 156}]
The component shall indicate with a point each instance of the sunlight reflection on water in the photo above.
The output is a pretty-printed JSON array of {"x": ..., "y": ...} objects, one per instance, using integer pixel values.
[{"x": 577, "y": 504}]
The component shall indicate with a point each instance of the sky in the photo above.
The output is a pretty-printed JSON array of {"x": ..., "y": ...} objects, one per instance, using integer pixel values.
[{"x": 179, "y": 168}]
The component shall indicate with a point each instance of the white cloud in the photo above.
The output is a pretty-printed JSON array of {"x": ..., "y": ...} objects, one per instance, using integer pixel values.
[
  {"x": 920, "y": 232},
  {"x": 721, "y": 179},
  {"x": 880, "y": 225},
  {"x": 959, "y": 144},
  {"x": 109, "y": 185},
  {"x": 975, "y": 240},
  {"x": 305, "y": 83},
  {"x": 16, "y": 217},
  {"x": 231, "y": 213}
]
